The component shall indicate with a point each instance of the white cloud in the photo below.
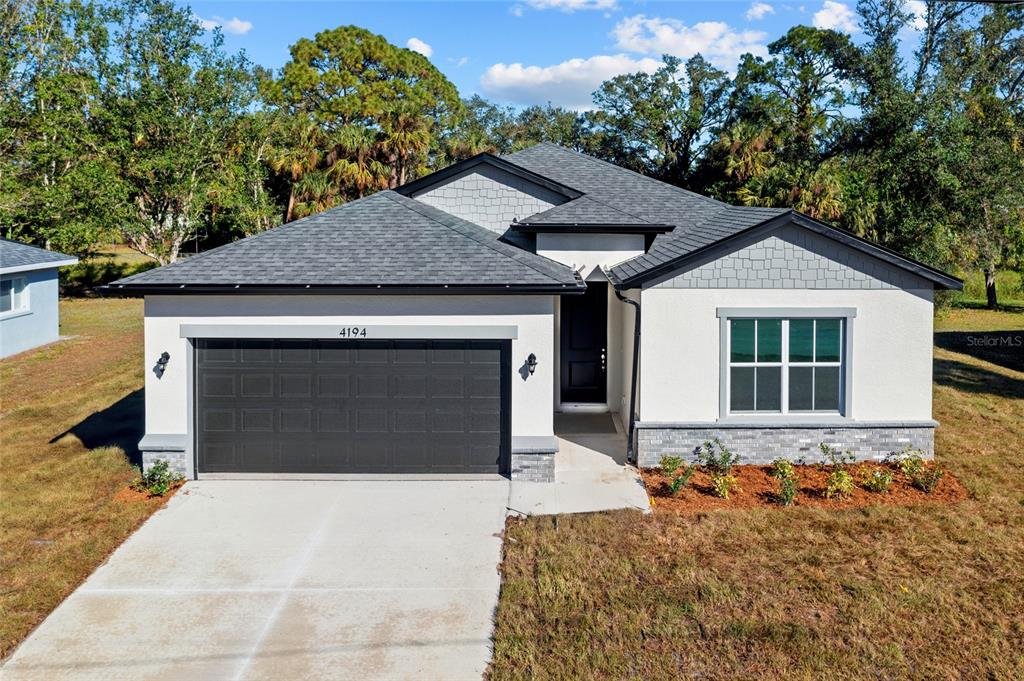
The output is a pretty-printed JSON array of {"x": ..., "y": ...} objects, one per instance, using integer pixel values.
[
  {"x": 759, "y": 10},
  {"x": 516, "y": 10},
  {"x": 719, "y": 43},
  {"x": 417, "y": 45},
  {"x": 462, "y": 61},
  {"x": 233, "y": 25},
  {"x": 572, "y": 5},
  {"x": 837, "y": 16},
  {"x": 567, "y": 84},
  {"x": 918, "y": 12}
]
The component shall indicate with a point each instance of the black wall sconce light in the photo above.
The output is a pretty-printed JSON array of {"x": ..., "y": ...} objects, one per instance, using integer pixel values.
[
  {"x": 531, "y": 363},
  {"x": 161, "y": 364}
]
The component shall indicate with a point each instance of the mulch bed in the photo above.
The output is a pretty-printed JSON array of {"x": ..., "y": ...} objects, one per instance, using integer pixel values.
[
  {"x": 757, "y": 488},
  {"x": 127, "y": 495}
]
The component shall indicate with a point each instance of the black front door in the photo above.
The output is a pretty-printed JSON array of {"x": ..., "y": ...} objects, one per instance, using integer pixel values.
[{"x": 584, "y": 343}]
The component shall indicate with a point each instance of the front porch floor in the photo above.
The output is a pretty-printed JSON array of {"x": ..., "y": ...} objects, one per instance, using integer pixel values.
[{"x": 590, "y": 475}]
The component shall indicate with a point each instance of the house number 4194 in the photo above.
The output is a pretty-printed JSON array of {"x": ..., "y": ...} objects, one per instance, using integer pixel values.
[{"x": 353, "y": 332}]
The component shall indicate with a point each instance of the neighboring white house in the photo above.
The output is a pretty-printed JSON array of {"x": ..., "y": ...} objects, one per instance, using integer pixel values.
[
  {"x": 439, "y": 327},
  {"x": 28, "y": 296}
]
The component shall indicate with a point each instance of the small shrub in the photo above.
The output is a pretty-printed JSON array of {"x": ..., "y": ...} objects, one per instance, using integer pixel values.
[
  {"x": 722, "y": 484},
  {"x": 833, "y": 457},
  {"x": 788, "y": 481},
  {"x": 878, "y": 480},
  {"x": 926, "y": 478},
  {"x": 716, "y": 458},
  {"x": 157, "y": 480},
  {"x": 839, "y": 484},
  {"x": 909, "y": 461},
  {"x": 682, "y": 479},
  {"x": 669, "y": 465},
  {"x": 787, "y": 490},
  {"x": 782, "y": 469}
]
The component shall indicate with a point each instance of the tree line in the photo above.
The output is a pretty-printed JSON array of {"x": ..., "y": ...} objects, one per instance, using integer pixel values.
[{"x": 125, "y": 120}]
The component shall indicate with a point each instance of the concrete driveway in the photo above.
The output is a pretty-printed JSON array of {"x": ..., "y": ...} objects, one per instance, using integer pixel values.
[{"x": 288, "y": 580}]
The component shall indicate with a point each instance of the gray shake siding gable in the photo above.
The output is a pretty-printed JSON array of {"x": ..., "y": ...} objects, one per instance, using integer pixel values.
[
  {"x": 490, "y": 197},
  {"x": 794, "y": 258}
]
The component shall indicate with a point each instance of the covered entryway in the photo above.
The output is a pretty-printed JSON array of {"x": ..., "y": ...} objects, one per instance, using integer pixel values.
[{"x": 352, "y": 406}]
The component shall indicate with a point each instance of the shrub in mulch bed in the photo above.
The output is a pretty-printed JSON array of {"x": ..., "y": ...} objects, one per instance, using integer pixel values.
[{"x": 757, "y": 487}]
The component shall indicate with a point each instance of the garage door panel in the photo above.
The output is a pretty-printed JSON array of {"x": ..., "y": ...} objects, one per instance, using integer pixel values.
[{"x": 352, "y": 406}]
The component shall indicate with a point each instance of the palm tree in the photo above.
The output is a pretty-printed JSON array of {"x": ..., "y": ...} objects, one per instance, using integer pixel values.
[
  {"x": 406, "y": 139},
  {"x": 353, "y": 160},
  {"x": 315, "y": 193},
  {"x": 299, "y": 154}
]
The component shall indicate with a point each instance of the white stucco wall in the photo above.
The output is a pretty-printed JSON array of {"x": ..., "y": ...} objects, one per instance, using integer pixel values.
[
  {"x": 588, "y": 252},
  {"x": 167, "y": 398},
  {"x": 680, "y": 349},
  {"x": 489, "y": 197}
]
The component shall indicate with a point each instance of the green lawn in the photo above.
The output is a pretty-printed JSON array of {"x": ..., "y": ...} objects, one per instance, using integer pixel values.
[
  {"x": 69, "y": 411},
  {"x": 931, "y": 592}
]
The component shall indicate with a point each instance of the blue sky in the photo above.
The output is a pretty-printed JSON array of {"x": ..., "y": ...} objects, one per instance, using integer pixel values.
[{"x": 534, "y": 51}]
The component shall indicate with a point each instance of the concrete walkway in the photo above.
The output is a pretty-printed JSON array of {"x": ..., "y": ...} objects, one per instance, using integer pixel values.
[
  {"x": 590, "y": 475},
  {"x": 288, "y": 580}
]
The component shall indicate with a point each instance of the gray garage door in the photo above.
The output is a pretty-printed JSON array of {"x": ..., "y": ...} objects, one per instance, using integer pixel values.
[{"x": 324, "y": 406}]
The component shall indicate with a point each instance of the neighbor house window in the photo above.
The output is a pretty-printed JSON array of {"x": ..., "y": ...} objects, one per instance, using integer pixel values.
[
  {"x": 785, "y": 366},
  {"x": 13, "y": 297}
]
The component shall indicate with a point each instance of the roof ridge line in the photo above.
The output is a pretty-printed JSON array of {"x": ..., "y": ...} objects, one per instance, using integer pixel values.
[
  {"x": 588, "y": 157},
  {"x": 489, "y": 243}
]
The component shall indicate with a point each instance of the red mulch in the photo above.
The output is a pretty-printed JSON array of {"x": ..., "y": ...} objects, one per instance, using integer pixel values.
[
  {"x": 757, "y": 488},
  {"x": 127, "y": 495}
]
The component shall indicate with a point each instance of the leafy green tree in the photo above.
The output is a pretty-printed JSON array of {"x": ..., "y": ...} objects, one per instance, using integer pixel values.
[
  {"x": 58, "y": 186},
  {"x": 661, "y": 123},
  {"x": 172, "y": 101},
  {"x": 980, "y": 74},
  {"x": 381, "y": 112}
]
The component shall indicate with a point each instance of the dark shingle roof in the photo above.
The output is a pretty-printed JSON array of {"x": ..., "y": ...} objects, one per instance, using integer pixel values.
[
  {"x": 15, "y": 256},
  {"x": 619, "y": 193},
  {"x": 383, "y": 240}
]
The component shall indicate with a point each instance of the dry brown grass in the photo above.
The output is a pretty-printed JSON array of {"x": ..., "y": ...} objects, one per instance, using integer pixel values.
[
  {"x": 885, "y": 592},
  {"x": 59, "y": 518}
]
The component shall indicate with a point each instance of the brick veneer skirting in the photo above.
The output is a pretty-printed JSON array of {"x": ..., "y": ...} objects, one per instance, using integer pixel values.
[
  {"x": 174, "y": 458},
  {"x": 759, "y": 444},
  {"x": 533, "y": 467}
]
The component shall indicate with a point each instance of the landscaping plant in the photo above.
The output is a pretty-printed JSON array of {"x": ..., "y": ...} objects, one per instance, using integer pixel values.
[
  {"x": 157, "y": 480},
  {"x": 677, "y": 472},
  {"x": 718, "y": 461},
  {"x": 788, "y": 480},
  {"x": 878, "y": 480},
  {"x": 926, "y": 478},
  {"x": 840, "y": 484},
  {"x": 830, "y": 456}
]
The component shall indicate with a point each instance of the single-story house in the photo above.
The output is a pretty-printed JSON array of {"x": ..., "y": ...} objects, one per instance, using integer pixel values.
[
  {"x": 29, "y": 316},
  {"x": 437, "y": 328}
]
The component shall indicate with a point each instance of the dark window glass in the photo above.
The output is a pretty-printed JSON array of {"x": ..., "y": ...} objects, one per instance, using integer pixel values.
[
  {"x": 769, "y": 389},
  {"x": 742, "y": 340},
  {"x": 801, "y": 382},
  {"x": 826, "y": 388},
  {"x": 741, "y": 393},
  {"x": 769, "y": 340},
  {"x": 801, "y": 340},
  {"x": 827, "y": 340},
  {"x": 6, "y": 295}
]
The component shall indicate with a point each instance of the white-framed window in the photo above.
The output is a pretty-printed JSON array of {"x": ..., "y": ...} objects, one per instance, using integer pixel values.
[
  {"x": 13, "y": 295},
  {"x": 785, "y": 365}
]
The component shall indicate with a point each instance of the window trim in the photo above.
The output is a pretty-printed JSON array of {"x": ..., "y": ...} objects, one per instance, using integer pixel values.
[
  {"x": 24, "y": 306},
  {"x": 846, "y": 314}
]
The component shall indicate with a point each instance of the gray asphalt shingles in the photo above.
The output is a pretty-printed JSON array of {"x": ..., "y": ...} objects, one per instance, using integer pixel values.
[
  {"x": 383, "y": 239},
  {"x": 16, "y": 254},
  {"x": 619, "y": 193}
]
